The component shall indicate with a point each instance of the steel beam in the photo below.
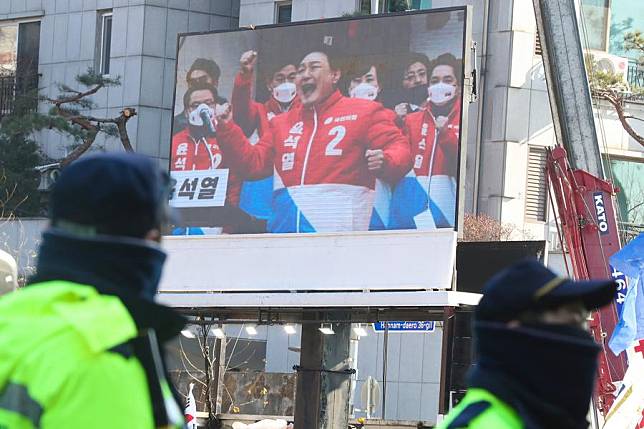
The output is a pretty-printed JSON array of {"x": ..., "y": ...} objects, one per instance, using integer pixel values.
[{"x": 568, "y": 90}]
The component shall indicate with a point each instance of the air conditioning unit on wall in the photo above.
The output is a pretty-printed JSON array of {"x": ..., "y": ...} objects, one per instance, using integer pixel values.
[
  {"x": 48, "y": 175},
  {"x": 610, "y": 63}
]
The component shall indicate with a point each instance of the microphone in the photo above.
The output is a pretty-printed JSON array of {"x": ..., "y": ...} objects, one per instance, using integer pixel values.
[{"x": 204, "y": 114}]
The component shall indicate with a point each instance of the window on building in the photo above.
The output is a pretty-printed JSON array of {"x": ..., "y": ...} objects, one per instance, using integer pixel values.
[
  {"x": 364, "y": 6},
  {"x": 8, "y": 49},
  {"x": 595, "y": 22},
  {"x": 19, "y": 47},
  {"x": 104, "y": 42},
  {"x": 627, "y": 175},
  {"x": 420, "y": 4},
  {"x": 397, "y": 5},
  {"x": 536, "y": 201},
  {"x": 283, "y": 12}
]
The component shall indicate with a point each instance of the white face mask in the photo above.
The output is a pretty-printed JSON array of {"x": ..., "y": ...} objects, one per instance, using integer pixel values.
[
  {"x": 441, "y": 92},
  {"x": 365, "y": 91},
  {"x": 284, "y": 92},
  {"x": 196, "y": 116}
]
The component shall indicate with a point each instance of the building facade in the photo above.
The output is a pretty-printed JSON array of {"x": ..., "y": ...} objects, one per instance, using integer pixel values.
[{"x": 135, "y": 40}]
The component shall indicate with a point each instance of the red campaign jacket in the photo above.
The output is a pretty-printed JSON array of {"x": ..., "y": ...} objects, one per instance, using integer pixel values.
[
  {"x": 248, "y": 113},
  {"x": 203, "y": 154},
  {"x": 325, "y": 144},
  {"x": 422, "y": 131}
]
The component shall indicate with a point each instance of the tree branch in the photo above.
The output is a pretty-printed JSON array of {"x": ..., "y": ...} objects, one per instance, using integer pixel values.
[
  {"x": 616, "y": 102},
  {"x": 121, "y": 124},
  {"x": 633, "y": 117},
  {"x": 64, "y": 100}
]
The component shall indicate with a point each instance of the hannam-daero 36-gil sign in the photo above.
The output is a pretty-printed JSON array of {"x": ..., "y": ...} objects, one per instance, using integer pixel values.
[{"x": 403, "y": 326}]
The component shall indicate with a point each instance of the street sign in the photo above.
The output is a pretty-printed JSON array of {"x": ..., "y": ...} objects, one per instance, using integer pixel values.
[{"x": 403, "y": 326}]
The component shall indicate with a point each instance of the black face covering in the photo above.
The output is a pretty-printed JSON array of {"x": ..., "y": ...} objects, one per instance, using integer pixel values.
[
  {"x": 443, "y": 110},
  {"x": 545, "y": 372},
  {"x": 127, "y": 268},
  {"x": 416, "y": 95}
]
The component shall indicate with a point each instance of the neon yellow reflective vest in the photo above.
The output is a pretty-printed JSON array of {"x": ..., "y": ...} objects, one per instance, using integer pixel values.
[
  {"x": 480, "y": 409},
  {"x": 56, "y": 367}
]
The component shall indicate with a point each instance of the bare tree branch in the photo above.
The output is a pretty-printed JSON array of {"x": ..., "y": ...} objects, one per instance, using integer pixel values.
[
  {"x": 618, "y": 105},
  {"x": 79, "y": 95},
  {"x": 635, "y": 118}
]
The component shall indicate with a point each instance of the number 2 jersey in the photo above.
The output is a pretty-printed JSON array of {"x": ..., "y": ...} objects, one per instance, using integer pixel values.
[{"x": 317, "y": 156}]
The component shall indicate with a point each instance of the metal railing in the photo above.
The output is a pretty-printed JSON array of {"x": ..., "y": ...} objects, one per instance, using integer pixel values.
[
  {"x": 635, "y": 75},
  {"x": 12, "y": 87}
]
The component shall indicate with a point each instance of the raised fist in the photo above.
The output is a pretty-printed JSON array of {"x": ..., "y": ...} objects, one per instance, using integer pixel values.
[
  {"x": 401, "y": 110},
  {"x": 224, "y": 113},
  {"x": 247, "y": 62},
  {"x": 375, "y": 159}
]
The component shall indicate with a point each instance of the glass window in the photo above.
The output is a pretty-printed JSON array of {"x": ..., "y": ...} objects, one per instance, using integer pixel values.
[
  {"x": 19, "y": 47},
  {"x": 283, "y": 12},
  {"x": 105, "y": 43},
  {"x": 421, "y": 4},
  {"x": 626, "y": 16},
  {"x": 398, "y": 5},
  {"x": 594, "y": 25},
  {"x": 8, "y": 49},
  {"x": 27, "y": 61},
  {"x": 627, "y": 176}
]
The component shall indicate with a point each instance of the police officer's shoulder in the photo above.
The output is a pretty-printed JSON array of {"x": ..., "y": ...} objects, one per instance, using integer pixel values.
[
  {"x": 469, "y": 414},
  {"x": 480, "y": 409}
]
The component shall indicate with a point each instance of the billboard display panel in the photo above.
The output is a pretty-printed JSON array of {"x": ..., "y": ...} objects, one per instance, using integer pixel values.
[{"x": 325, "y": 126}]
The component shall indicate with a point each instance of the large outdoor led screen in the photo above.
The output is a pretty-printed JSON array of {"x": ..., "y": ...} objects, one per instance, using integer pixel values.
[{"x": 327, "y": 126}]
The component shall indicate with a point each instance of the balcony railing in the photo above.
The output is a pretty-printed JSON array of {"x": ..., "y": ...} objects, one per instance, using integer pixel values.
[{"x": 11, "y": 88}]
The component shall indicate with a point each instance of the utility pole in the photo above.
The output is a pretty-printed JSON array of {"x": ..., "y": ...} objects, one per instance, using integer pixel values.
[
  {"x": 324, "y": 375},
  {"x": 568, "y": 90}
]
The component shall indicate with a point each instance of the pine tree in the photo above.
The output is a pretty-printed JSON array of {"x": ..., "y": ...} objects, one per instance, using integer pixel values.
[
  {"x": 611, "y": 87},
  {"x": 68, "y": 115},
  {"x": 18, "y": 177}
]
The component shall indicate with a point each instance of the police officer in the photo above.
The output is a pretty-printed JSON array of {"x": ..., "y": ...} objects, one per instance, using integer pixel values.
[
  {"x": 536, "y": 360},
  {"x": 80, "y": 345}
]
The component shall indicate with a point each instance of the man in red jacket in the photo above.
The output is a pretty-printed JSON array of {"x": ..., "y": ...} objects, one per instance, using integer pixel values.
[
  {"x": 325, "y": 153},
  {"x": 253, "y": 118},
  {"x": 426, "y": 197},
  {"x": 248, "y": 113},
  {"x": 195, "y": 147},
  {"x": 202, "y": 71}
]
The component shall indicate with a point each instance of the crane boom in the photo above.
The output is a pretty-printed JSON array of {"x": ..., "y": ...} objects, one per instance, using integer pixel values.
[{"x": 584, "y": 201}]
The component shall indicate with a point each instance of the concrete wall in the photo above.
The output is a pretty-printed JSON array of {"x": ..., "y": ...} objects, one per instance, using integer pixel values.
[
  {"x": 20, "y": 238},
  {"x": 262, "y": 12},
  {"x": 516, "y": 114},
  {"x": 143, "y": 53}
]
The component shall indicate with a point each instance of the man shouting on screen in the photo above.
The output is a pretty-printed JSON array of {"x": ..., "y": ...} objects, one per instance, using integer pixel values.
[{"x": 325, "y": 153}]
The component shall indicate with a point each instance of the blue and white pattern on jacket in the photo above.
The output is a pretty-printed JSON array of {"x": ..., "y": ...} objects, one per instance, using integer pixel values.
[
  {"x": 325, "y": 207},
  {"x": 413, "y": 207}
]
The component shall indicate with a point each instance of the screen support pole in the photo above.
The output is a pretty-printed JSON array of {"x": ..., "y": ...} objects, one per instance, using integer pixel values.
[
  {"x": 567, "y": 83},
  {"x": 324, "y": 375}
]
